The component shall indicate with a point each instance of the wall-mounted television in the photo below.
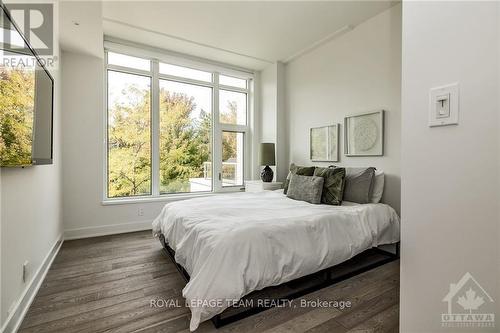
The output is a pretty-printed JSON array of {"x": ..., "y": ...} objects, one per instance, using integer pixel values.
[{"x": 26, "y": 100}]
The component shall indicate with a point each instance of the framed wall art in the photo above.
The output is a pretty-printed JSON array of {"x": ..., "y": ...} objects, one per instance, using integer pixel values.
[
  {"x": 324, "y": 143},
  {"x": 364, "y": 134}
]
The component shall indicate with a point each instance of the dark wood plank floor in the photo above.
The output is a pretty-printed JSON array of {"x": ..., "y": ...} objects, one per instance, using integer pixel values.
[{"x": 106, "y": 284}]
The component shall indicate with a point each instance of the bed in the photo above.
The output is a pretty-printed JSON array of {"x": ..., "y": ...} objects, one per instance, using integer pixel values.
[{"x": 230, "y": 245}]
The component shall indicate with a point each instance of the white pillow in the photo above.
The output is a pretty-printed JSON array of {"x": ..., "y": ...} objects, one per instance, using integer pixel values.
[{"x": 378, "y": 186}]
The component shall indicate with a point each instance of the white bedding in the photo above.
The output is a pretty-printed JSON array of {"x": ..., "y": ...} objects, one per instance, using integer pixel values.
[{"x": 234, "y": 244}]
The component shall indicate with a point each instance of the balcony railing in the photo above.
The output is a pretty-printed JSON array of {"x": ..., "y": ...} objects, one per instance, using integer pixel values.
[{"x": 229, "y": 172}]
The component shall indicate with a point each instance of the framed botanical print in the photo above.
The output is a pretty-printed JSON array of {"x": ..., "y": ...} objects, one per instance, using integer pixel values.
[
  {"x": 324, "y": 143},
  {"x": 364, "y": 134}
]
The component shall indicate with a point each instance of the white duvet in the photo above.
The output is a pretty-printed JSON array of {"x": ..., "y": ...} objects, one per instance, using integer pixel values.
[{"x": 234, "y": 244}]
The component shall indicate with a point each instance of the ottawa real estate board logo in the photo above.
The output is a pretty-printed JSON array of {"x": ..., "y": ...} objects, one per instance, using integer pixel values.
[{"x": 469, "y": 305}]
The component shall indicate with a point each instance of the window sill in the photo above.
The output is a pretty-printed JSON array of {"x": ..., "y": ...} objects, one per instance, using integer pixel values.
[{"x": 166, "y": 197}]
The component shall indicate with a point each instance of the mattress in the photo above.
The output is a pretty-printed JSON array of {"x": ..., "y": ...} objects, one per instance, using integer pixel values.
[{"x": 233, "y": 244}]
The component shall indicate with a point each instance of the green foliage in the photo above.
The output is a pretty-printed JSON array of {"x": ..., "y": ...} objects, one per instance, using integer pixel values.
[
  {"x": 129, "y": 144},
  {"x": 17, "y": 88},
  {"x": 185, "y": 143},
  {"x": 229, "y": 139}
]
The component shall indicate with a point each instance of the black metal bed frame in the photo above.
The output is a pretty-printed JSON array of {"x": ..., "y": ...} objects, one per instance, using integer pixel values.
[{"x": 327, "y": 277}]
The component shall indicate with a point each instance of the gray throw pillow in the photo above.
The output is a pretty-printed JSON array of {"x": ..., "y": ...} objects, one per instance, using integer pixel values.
[
  {"x": 299, "y": 170},
  {"x": 333, "y": 187},
  {"x": 358, "y": 184},
  {"x": 305, "y": 188}
]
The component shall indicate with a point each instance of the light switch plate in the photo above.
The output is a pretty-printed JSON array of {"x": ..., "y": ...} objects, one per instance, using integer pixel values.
[{"x": 443, "y": 105}]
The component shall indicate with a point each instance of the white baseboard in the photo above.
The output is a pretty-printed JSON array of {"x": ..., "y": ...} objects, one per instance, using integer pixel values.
[
  {"x": 16, "y": 317},
  {"x": 104, "y": 230}
]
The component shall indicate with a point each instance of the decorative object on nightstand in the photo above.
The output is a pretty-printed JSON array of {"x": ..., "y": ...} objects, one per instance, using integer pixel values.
[
  {"x": 259, "y": 186},
  {"x": 267, "y": 158}
]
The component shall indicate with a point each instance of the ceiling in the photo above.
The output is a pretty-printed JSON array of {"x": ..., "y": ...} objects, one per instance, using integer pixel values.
[
  {"x": 248, "y": 34},
  {"x": 87, "y": 36}
]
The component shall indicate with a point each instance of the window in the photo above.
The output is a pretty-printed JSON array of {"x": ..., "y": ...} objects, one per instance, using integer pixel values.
[
  {"x": 185, "y": 72},
  {"x": 129, "y": 134},
  {"x": 128, "y": 61},
  {"x": 185, "y": 137},
  {"x": 232, "y": 158},
  {"x": 170, "y": 128},
  {"x": 233, "y": 107},
  {"x": 232, "y": 82}
]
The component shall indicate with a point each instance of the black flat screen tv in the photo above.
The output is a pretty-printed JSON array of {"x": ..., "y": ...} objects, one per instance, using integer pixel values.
[{"x": 26, "y": 100}]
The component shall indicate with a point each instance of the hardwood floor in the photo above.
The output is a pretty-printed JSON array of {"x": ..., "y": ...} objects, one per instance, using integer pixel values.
[{"x": 106, "y": 284}]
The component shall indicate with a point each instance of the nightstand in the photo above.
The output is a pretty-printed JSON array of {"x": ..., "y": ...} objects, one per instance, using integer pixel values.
[{"x": 259, "y": 186}]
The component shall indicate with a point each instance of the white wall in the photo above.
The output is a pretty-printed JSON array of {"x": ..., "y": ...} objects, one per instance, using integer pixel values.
[
  {"x": 498, "y": 163},
  {"x": 83, "y": 137},
  {"x": 272, "y": 115},
  {"x": 268, "y": 106},
  {"x": 450, "y": 188},
  {"x": 357, "y": 72},
  {"x": 31, "y": 217},
  {"x": 282, "y": 164}
]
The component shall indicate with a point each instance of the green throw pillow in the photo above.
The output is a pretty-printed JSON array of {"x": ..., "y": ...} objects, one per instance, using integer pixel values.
[
  {"x": 333, "y": 186},
  {"x": 297, "y": 170}
]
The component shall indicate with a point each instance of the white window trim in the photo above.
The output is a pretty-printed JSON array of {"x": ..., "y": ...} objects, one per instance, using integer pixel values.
[
  {"x": 174, "y": 58},
  {"x": 217, "y": 128}
]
